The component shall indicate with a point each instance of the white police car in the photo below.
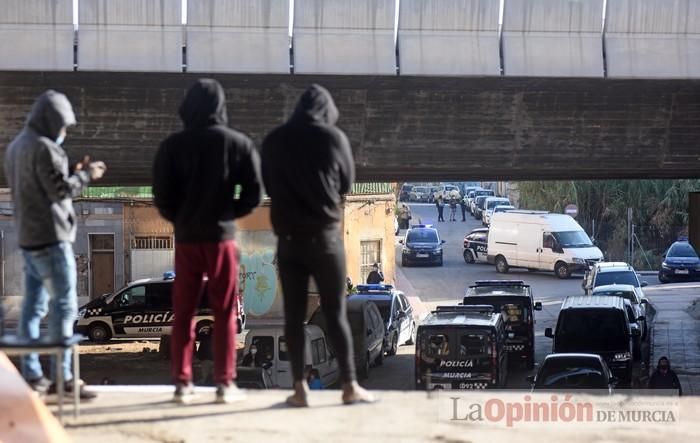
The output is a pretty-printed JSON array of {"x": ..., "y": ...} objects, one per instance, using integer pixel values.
[{"x": 142, "y": 309}]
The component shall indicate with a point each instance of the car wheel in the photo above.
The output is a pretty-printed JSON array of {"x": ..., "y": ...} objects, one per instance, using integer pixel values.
[
  {"x": 440, "y": 262},
  {"x": 363, "y": 369},
  {"x": 404, "y": 262},
  {"x": 203, "y": 328},
  {"x": 394, "y": 345},
  {"x": 380, "y": 359},
  {"x": 412, "y": 338},
  {"x": 99, "y": 332},
  {"x": 469, "y": 256},
  {"x": 502, "y": 265},
  {"x": 562, "y": 270},
  {"x": 663, "y": 280}
]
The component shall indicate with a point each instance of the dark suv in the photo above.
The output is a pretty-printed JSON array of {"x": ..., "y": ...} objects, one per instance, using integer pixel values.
[
  {"x": 422, "y": 244},
  {"x": 598, "y": 325}
]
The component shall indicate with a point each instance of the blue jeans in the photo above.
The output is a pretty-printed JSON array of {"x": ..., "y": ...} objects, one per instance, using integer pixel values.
[{"x": 49, "y": 286}]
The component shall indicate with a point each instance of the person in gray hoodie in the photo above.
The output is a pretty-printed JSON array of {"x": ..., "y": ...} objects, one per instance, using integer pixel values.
[{"x": 42, "y": 189}]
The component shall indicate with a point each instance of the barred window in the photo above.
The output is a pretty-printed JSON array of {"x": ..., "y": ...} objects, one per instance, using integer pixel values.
[
  {"x": 370, "y": 253},
  {"x": 152, "y": 242}
]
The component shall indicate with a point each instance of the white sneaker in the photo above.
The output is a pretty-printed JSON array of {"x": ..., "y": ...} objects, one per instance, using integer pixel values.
[
  {"x": 229, "y": 393},
  {"x": 184, "y": 393}
]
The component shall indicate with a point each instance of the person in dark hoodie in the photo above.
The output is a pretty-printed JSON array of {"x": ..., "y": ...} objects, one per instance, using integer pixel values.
[
  {"x": 664, "y": 377},
  {"x": 195, "y": 175},
  {"x": 36, "y": 167},
  {"x": 307, "y": 166}
]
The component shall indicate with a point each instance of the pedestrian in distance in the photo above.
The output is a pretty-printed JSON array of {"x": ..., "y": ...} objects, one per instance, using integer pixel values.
[
  {"x": 314, "y": 380},
  {"x": 404, "y": 216},
  {"x": 463, "y": 207},
  {"x": 375, "y": 276},
  {"x": 195, "y": 175},
  {"x": 42, "y": 187},
  {"x": 307, "y": 168},
  {"x": 664, "y": 377},
  {"x": 440, "y": 207},
  {"x": 453, "y": 208}
]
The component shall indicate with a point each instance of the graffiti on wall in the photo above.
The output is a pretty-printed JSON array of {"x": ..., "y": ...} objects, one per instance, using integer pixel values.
[{"x": 258, "y": 271}]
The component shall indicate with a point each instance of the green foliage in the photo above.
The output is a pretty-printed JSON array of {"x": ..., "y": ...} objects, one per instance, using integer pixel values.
[{"x": 660, "y": 210}]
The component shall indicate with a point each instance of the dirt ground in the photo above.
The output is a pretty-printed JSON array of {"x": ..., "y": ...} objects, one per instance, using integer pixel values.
[{"x": 130, "y": 362}]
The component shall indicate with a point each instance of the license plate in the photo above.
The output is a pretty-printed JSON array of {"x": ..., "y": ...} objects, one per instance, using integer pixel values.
[
  {"x": 432, "y": 386},
  {"x": 681, "y": 271},
  {"x": 421, "y": 255}
]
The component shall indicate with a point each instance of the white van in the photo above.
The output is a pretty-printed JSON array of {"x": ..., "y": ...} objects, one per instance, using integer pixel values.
[
  {"x": 272, "y": 348},
  {"x": 539, "y": 240},
  {"x": 489, "y": 205}
]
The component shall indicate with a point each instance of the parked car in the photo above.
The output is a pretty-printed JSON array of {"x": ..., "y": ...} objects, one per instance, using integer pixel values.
[
  {"x": 489, "y": 205},
  {"x": 419, "y": 194},
  {"x": 598, "y": 325},
  {"x": 514, "y": 299},
  {"x": 681, "y": 263},
  {"x": 643, "y": 310},
  {"x": 476, "y": 246},
  {"x": 478, "y": 193},
  {"x": 612, "y": 273},
  {"x": 271, "y": 343},
  {"x": 367, "y": 329},
  {"x": 540, "y": 240},
  {"x": 568, "y": 371},
  {"x": 143, "y": 309},
  {"x": 447, "y": 191},
  {"x": 479, "y": 206},
  {"x": 405, "y": 192},
  {"x": 396, "y": 312},
  {"x": 421, "y": 244},
  {"x": 461, "y": 347}
]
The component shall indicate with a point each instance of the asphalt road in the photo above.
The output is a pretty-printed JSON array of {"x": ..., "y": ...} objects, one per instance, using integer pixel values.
[{"x": 447, "y": 284}]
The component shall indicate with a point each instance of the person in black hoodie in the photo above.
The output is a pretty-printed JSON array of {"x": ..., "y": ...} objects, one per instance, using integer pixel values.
[
  {"x": 664, "y": 377},
  {"x": 195, "y": 175},
  {"x": 307, "y": 166}
]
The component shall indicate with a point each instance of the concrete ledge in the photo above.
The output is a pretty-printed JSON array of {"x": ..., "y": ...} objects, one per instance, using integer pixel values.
[{"x": 145, "y": 414}]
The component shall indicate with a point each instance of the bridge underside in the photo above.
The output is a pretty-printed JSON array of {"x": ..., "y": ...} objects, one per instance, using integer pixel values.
[{"x": 401, "y": 128}]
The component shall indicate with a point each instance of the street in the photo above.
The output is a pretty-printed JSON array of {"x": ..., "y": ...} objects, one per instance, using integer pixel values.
[{"x": 447, "y": 284}]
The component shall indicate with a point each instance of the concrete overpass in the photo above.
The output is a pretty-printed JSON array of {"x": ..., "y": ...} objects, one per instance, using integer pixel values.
[{"x": 477, "y": 89}]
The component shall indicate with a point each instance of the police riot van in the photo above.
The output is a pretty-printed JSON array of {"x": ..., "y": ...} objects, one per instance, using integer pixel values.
[
  {"x": 142, "y": 309},
  {"x": 513, "y": 298},
  {"x": 461, "y": 347}
]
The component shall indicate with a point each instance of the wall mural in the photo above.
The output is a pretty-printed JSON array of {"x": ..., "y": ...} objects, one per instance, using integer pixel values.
[{"x": 258, "y": 273}]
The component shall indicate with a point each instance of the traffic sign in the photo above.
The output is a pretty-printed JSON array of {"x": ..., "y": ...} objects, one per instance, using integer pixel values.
[{"x": 571, "y": 210}]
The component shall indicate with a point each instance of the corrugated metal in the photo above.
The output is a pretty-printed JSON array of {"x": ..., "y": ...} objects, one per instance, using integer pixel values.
[
  {"x": 149, "y": 263},
  {"x": 372, "y": 188},
  {"x": 653, "y": 38},
  {"x": 449, "y": 37},
  {"x": 130, "y": 35},
  {"x": 36, "y": 35},
  {"x": 238, "y": 36},
  {"x": 344, "y": 37},
  {"x": 553, "y": 38}
]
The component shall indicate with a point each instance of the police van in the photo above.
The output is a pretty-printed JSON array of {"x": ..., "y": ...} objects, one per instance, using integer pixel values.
[
  {"x": 142, "y": 309},
  {"x": 461, "y": 347},
  {"x": 513, "y": 298}
]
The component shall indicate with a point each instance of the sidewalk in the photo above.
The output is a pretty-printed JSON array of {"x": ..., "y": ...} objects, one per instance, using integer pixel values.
[{"x": 403, "y": 284}]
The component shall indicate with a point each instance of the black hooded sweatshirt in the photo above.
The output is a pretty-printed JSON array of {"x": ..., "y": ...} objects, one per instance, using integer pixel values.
[
  {"x": 307, "y": 166},
  {"x": 196, "y": 171}
]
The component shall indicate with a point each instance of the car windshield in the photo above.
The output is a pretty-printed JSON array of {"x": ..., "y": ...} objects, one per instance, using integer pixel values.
[
  {"x": 682, "y": 250},
  {"x": 616, "y": 278},
  {"x": 422, "y": 236},
  {"x": 591, "y": 330},
  {"x": 484, "y": 192},
  {"x": 384, "y": 308},
  {"x": 624, "y": 294},
  {"x": 493, "y": 203},
  {"x": 571, "y": 373},
  {"x": 420, "y": 189},
  {"x": 503, "y": 209},
  {"x": 573, "y": 239}
]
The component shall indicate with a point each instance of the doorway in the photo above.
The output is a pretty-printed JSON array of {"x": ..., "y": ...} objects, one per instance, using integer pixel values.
[{"x": 101, "y": 264}]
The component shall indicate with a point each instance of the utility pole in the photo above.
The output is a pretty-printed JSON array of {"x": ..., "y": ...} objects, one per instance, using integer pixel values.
[{"x": 629, "y": 236}]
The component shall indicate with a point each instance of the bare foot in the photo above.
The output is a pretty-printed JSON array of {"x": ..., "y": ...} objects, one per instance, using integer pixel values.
[
  {"x": 354, "y": 393},
  {"x": 300, "y": 397}
]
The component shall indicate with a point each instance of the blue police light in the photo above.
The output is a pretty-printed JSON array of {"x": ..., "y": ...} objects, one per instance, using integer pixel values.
[
  {"x": 375, "y": 287},
  {"x": 682, "y": 238},
  {"x": 421, "y": 226},
  {"x": 169, "y": 275}
]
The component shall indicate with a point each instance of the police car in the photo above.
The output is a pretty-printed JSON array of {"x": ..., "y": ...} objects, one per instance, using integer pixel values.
[
  {"x": 142, "y": 309},
  {"x": 422, "y": 244},
  {"x": 476, "y": 246}
]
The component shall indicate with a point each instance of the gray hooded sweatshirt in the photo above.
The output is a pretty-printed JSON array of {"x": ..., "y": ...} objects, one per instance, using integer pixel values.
[{"x": 36, "y": 168}]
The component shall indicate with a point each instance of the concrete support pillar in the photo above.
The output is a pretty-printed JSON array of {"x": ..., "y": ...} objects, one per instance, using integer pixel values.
[{"x": 694, "y": 219}]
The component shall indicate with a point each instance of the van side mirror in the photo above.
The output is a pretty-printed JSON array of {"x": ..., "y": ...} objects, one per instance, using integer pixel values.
[
  {"x": 443, "y": 242},
  {"x": 644, "y": 301},
  {"x": 613, "y": 381},
  {"x": 267, "y": 365},
  {"x": 641, "y": 318},
  {"x": 530, "y": 379},
  {"x": 548, "y": 333},
  {"x": 644, "y": 284},
  {"x": 538, "y": 306},
  {"x": 401, "y": 241},
  {"x": 636, "y": 332}
]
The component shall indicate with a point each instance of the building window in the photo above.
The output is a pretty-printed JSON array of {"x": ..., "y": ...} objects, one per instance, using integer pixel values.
[
  {"x": 152, "y": 242},
  {"x": 371, "y": 253}
]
